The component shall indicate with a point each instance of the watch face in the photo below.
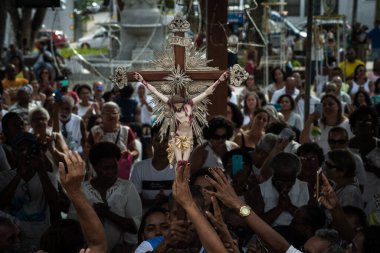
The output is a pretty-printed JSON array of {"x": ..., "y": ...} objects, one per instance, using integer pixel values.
[{"x": 245, "y": 211}]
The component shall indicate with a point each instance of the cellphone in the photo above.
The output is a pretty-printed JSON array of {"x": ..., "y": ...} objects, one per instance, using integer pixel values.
[
  {"x": 237, "y": 164},
  {"x": 286, "y": 134},
  {"x": 64, "y": 83},
  {"x": 57, "y": 95},
  {"x": 318, "y": 108},
  {"x": 318, "y": 181},
  {"x": 278, "y": 107}
]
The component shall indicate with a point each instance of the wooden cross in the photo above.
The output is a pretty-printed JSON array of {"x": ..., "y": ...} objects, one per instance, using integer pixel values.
[{"x": 179, "y": 60}]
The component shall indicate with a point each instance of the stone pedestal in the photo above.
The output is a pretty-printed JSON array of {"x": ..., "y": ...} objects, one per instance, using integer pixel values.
[{"x": 142, "y": 30}]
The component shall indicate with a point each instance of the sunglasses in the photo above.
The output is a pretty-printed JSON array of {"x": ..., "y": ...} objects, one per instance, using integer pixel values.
[
  {"x": 335, "y": 142},
  {"x": 220, "y": 137},
  {"x": 330, "y": 166},
  {"x": 310, "y": 159},
  {"x": 99, "y": 87}
]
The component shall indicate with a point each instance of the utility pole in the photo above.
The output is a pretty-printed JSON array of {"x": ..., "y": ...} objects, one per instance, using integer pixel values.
[
  {"x": 310, "y": 13},
  {"x": 354, "y": 11}
]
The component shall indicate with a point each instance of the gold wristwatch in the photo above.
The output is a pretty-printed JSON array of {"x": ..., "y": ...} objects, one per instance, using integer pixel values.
[{"x": 245, "y": 211}]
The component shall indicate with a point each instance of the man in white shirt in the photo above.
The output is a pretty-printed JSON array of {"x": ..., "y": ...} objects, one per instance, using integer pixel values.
[
  {"x": 153, "y": 177},
  {"x": 290, "y": 89},
  {"x": 145, "y": 103},
  {"x": 338, "y": 139},
  {"x": 300, "y": 103}
]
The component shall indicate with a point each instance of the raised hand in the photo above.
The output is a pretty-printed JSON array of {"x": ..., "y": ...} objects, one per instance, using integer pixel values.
[
  {"x": 225, "y": 191},
  {"x": 224, "y": 76},
  {"x": 328, "y": 197},
  {"x": 72, "y": 179},
  {"x": 180, "y": 188},
  {"x": 217, "y": 221},
  {"x": 138, "y": 77}
]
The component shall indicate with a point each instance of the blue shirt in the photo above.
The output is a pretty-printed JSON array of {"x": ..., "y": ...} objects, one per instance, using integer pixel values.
[{"x": 374, "y": 35}]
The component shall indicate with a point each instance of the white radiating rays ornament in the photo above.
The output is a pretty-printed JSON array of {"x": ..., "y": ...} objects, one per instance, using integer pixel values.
[
  {"x": 178, "y": 79},
  {"x": 237, "y": 75},
  {"x": 120, "y": 77}
]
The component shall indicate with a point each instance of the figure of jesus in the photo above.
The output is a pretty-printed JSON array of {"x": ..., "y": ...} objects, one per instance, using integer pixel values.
[{"x": 181, "y": 142}]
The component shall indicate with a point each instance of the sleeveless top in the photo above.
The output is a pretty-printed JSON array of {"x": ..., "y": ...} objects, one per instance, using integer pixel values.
[
  {"x": 355, "y": 87},
  {"x": 243, "y": 146},
  {"x": 298, "y": 194},
  {"x": 119, "y": 137},
  {"x": 213, "y": 160}
]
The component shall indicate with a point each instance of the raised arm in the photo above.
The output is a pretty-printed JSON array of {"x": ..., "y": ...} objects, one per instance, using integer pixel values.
[
  {"x": 181, "y": 193},
  {"x": 71, "y": 181},
  {"x": 210, "y": 89},
  {"x": 227, "y": 195},
  {"x": 150, "y": 87}
]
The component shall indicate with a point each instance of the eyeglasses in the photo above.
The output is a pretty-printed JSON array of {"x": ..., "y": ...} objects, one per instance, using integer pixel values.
[
  {"x": 220, "y": 137},
  {"x": 335, "y": 142},
  {"x": 310, "y": 158}
]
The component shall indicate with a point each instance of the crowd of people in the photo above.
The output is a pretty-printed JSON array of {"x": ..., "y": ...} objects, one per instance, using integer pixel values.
[{"x": 84, "y": 169}]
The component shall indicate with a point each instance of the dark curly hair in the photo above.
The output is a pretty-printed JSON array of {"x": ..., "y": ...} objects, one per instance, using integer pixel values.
[
  {"x": 366, "y": 97},
  {"x": 292, "y": 103},
  {"x": 150, "y": 211},
  {"x": 273, "y": 73},
  {"x": 83, "y": 86},
  {"x": 364, "y": 110},
  {"x": 103, "y": 150},
  {"x": 344, "y": 161},
  {"x": 357, "y": 69},
  {"x": 237, "y": 116},
  {"x": 64, "y": 236},
  {"x": 214, "y": 124},
  {"x": 312, "y": 148}
]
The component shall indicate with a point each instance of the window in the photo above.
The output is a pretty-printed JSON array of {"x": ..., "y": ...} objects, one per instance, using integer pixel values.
[{"x": 293, "y": 7}]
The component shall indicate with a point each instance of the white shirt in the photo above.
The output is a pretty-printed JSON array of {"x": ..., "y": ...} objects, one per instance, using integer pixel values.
[
  {"x": 322, "y": 140},
  {"x": 74, "y": 134},
  {"x": 83, "y": 109},
  {"x": 300, "y": 107},
  {"x": 123, "y": 200},
  {"x": 146, "y": 115},
  {"x": 149, "y": 181},
  {"x": 278, "y": 93},
  {"x": 298, "y": 194}
]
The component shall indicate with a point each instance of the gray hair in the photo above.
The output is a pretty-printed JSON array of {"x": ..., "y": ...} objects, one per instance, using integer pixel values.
[
  {"x": 36, "y": 110},
  {"x": 286, "y": 161},
  {"x": 267, "y": 143},
  {"x": 332, "y": 236},
  {"x": 68, "y": 99},
  {"x": 112, "y": 105}
]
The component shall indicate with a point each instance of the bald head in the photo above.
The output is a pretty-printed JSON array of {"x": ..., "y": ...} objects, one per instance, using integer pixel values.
[{"x": 290, "y": 85}]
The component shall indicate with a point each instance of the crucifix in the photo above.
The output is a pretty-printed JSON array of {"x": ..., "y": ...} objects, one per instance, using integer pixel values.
[{"x": 181, "y": 107}]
